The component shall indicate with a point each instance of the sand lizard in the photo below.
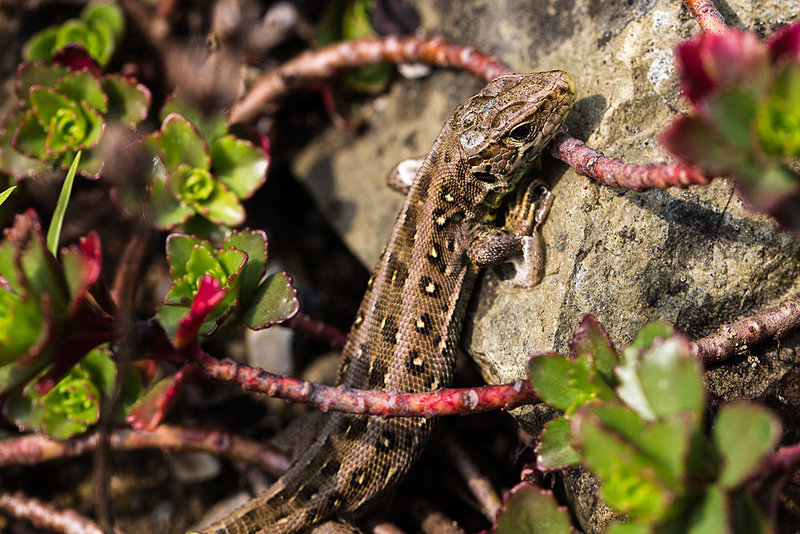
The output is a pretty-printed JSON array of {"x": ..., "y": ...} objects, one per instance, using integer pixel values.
[{"x": 405, "y": 333}]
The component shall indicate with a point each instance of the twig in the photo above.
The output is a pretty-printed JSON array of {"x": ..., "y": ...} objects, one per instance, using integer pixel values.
[
  {"x": 323, "y": 63},
  {"x": 35, "y": 449},
  {"x": 478, "y": 483},
  {"x": 306, "y": 325},
  {"x": 368, "y": 402},
  {"x": 736, "y": 337},
  {"x": 43, "y": 515},
  {"x": 432, "y": 521},
  {"x": 616, "y": 173},
  {"x": 707, "y": 16}
]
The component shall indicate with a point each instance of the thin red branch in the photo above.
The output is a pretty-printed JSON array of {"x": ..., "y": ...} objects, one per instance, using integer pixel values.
[
  {"x": 323, "y": 63},
  {"x": 43, "y": 515},
  {"x": 616, "y": 173},
  {"x": 707, "y": 16},
  {"x": 736, "y": 337},
  {"x": 306, "y": 325},
  {"x": 35, "y": 449},
  {"x": 368, "y": 402}
]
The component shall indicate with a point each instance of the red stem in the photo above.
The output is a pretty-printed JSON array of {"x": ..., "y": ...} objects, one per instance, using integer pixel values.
[{"x": 707, "y": 16}]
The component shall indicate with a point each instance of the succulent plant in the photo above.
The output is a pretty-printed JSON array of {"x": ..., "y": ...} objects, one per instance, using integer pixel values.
[
  {"x": 98, "y": 31},
  {"x": 64, "y": 111}
]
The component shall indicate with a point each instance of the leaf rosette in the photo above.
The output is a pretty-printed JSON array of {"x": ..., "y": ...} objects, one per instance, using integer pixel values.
[
  {"x": 199, "y": 169},
  {"x": 44, "y": 305},
  {"x": 98, "y": 31},
  {"x": 212, "y": 284},
  {"x": 64, "y": 111},
  {"x": 745, "y": 120}
]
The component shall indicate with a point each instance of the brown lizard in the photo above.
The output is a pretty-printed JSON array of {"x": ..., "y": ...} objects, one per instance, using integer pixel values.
[{"x": 406, "y": 331}]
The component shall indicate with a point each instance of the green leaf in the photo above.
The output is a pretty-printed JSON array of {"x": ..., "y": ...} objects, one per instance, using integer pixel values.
[
  {"x": 30, "y": 137},
  {"x": 566, "y": 383},
  {"x": 34, "y": 74},
  {"x": 97, "y": 40},
  {"x": 743, "y": 433},
  {"x": 630, "y": 388},
  {"x": 47, "y": 103},
  {"x": 274, "y": 301},
  {"x": 128, "y": 101},
  {"x": 746, "y": 517},
  {"x": 555, "y": 450},
  {"x": 531, "y": 510},
  {"x": 211, "y": 127},
  {"x": 41, "y": 45},
  {"x": 21, "y": 325},
  {"x": 163, "y": 209},
  {"x": 734, "y": 112},
  {"x": 590, "y": 338},
  {"x": 630, "y": 480},
  {"x": 7, "y": 193},
  {"x": 254, "y": 243},
  {"x": 629, "y": 528},
  {"x": 181, "y": 144},
  {"x": 671, "y": 378},
  {"x": 12, "y": 161},
  {"x": 94, "y": 129},
  {"x": 84, "y": 86},
  {"x": 54, "y": 232},
  {"x": 710, "y": 514},
  {"x": 179, "y": 250},
  {"x": 109, "y": 14},
  {"x": 239, "y": 165}
]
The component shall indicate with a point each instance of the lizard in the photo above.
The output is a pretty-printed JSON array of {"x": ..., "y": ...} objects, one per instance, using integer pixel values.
[{"x": 405, "y": 333}]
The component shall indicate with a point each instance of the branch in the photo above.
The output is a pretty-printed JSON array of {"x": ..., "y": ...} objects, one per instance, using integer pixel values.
[
  {"x": 323, "y": 63},
  {"x": 368, "y": 402},
  {"x": 43, "y": 515},
  {"x": 737, "y": 337},
  {"x": 304, "y": 324},
  {"x": 618, "y": 174},
  {"x": 707, "y": 16},
  {"x": 35, "y": 449}
]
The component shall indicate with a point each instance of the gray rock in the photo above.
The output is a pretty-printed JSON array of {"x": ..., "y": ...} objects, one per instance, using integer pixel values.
[{"x": 697, "y": 258}]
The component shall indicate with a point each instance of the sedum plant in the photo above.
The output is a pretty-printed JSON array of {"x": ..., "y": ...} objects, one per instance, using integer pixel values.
[
  {"x": 635, "y": 419},
  {"x": 98, "y": 31},
  {"x": 745, "y": 118},
  {"x": 213, "y": 284},
  {"x": 63, "y": 111},
  {"x": 199, "y": 169}
]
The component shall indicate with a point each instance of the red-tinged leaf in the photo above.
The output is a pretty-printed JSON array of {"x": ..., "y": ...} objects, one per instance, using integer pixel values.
[
  {"x": 36, "y": 73},
  {"x": 209, "y": 294},
  {"x": 693, "y": 140},
  {"x": 275, "y": 301},
  {"x": 151, "y": 408},
  {"x": 784, "y": 45},
  {"x": 82, "y": 265},
  {"x": 590, "y": 338},
  {"x": 709, "y": 62}
]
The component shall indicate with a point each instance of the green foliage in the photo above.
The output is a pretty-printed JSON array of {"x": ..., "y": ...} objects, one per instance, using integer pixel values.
[
  {"x": 238, "y": 266},
  {"x": 200, "y": 169},
  {"x": 99, "y": 31},
  {"x": 73, "y": 404},
  {"x": 62, "y": 112},
  {"x": 638, "y": 425},
  {"x": 528, "y": 509},
  {"x": 6, "y": 193}
]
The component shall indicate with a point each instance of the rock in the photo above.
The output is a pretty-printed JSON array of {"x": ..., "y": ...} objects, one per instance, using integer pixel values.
[{"x": 696, "y": 258}]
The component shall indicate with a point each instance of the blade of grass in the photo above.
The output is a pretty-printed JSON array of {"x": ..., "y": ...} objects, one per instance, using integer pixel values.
[
  {"x": 54, "y": 232},
  {"x": 7, "y": 193}
]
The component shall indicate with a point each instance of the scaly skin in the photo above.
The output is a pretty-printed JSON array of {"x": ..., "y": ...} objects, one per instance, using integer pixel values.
[{"x": 406, "y": 331}]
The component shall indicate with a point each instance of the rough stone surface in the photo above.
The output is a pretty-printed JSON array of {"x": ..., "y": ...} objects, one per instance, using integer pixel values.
[{"x": 696, "y": 258}]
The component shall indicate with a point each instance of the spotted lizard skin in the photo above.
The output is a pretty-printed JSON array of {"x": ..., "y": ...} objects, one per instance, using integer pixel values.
[{"x": 405, "y": 334}]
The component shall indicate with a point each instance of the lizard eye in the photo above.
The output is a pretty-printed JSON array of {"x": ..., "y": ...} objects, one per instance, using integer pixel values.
[
  {"x": 520, "y": 133},
  {"x": 485, "y": 177}
]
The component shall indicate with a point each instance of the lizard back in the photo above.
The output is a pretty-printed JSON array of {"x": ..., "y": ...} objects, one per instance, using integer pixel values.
[{"x": 405, "y": 333}]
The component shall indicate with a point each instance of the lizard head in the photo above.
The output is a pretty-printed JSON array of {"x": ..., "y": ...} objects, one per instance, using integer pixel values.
[{"x": 502, "y": 129}]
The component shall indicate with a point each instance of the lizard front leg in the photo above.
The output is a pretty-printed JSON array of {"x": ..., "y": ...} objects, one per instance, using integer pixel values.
[{"x": 519, "y": 241}]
